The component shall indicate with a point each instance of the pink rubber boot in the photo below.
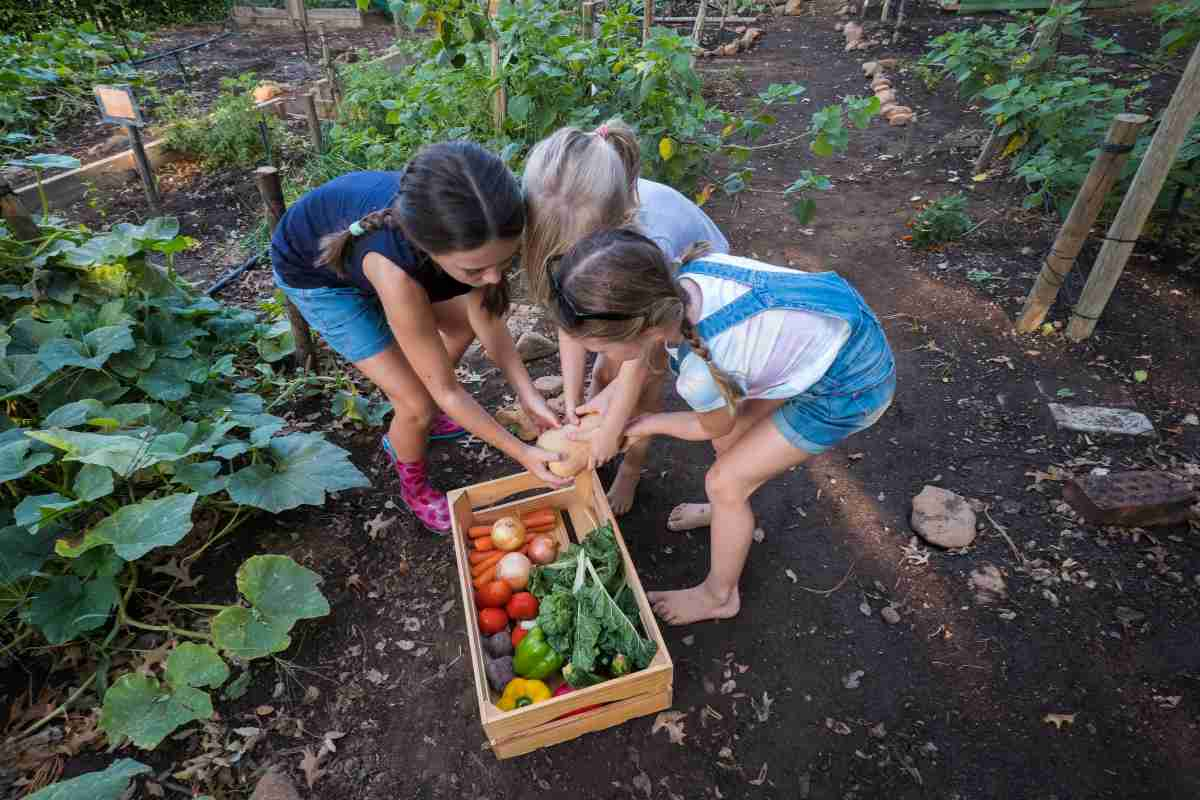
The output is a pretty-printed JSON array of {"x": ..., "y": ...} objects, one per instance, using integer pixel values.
[{"x": 425, "y": 502}]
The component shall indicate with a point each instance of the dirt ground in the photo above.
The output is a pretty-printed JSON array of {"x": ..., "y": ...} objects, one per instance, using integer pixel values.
[{"x": 1080, "y": 681}]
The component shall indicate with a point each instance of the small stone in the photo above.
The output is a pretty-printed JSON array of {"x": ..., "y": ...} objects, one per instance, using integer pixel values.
[
  {"x": 549, "y": 385},
  {"x": 988, "y": 585},
  {"x": 890, "y": 615},
  {"x": 870, "y": 68},
  {"x": 532, "y": 346},
  {"x": 1010, "y": 507},
  {"x": 877, "y": 731},
  {"x": 864, "y": 608},
  {"x": 1095, "y": 419},
  {"x": 275, "y": 786},
  {"x": 943, "y": 518},
  {"x": 1191, "y": 419},
  {"x": 854, "y": 679},
  {"x": 759, "y": 535}
]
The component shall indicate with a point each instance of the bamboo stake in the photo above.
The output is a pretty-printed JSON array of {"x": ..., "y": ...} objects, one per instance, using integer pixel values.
[
  {"x": 314, "y": 122},
  {"x": 587, "y": 11},
  {"x": 271, "y": 190},
  {"x": 647, "y": 20},
  {"x": 500, "y": 97},
  {"x": 1139, "y": 201},
  {"x": 899, "y": 21},
  {"x": 1106, "y": 168},
  {"x": 335, "y": 89},
  {"x": 701, "y": 13},
  {"x": 20, "y": 223},
  {"x": 883, "y": 13}
]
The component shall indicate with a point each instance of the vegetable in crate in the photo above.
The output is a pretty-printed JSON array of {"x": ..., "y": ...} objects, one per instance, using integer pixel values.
[
  {"x": 521, "y": 692},
  {"x": 522, "y": 606},
  {"x": 508, "y": 534},
  {"x": 588, "y": 612},
  {"x": 499, "y": 672},
  {"x": 492, "y": 620},
  {"x": 567, "y": 688},
  {"x": 499, "y": 644},
  {"x": 535, "y": 657}
]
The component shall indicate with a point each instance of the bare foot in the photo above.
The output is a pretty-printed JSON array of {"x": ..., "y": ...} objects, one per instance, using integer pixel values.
[
  {"x": 623, "y": 489},
  {"x": 685, "y": 606},
  {"x": 689, "y": 516}
]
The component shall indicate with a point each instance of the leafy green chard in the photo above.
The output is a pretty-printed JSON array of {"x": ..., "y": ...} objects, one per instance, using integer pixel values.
[
  {"x": 128, "y": 417},
  {"x": 588, "y": 611}
]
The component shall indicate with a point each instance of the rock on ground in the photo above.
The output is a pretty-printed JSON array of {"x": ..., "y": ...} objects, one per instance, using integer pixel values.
[
  {"x": 275, "y": 785},
  {"x": 943, "y": 518},
  {"x": 890, "y": 615},
  {"x": 532, "y": 346},
  {"x": 549, "y": 385},
  {"x": 988, "y": 585}
]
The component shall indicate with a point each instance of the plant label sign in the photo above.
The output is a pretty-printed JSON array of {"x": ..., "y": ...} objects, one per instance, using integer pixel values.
[{"x": 118, "y": 105}]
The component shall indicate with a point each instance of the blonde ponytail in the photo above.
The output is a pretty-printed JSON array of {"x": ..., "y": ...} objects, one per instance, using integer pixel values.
[{"x": 576, "y": 183}]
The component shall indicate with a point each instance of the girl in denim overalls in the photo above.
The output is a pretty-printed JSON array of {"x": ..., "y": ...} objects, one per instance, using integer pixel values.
[{"x": 777, "y": 366}]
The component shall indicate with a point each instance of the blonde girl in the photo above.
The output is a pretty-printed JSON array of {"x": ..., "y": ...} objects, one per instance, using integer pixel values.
[
  {"x": 399, "y": 272},
  {"x": 577, "y": 183},
  {"x": 777, "y": 366}
]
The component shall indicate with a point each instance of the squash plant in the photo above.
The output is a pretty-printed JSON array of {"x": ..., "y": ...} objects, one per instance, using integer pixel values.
[{"x": 131, "y": 427}]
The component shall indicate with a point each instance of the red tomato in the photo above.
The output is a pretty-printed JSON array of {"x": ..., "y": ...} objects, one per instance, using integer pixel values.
[
  {"x": 523, "y": 605},
  {"x": 518, "y": 634},
  {"x": 493, "y": 595},
  {"x": 492, "y": 620}
]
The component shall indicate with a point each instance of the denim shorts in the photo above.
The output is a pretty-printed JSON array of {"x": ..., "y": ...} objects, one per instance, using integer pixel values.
[
  {"x": 350, "y": 320},
  {"x": 814, "y": 423}
]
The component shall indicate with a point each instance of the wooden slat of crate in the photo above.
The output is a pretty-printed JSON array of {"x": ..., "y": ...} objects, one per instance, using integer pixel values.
[{"x": 520, "y": 731}]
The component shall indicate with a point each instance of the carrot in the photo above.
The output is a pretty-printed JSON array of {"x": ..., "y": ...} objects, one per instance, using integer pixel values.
[
  {"x": 536, "y": 519},
  {"x": 485, "y": 577},
  {"x": 480, "y": 555},
  {"x": 484, "y": 543},
  {"x": 531, "y": 530},
  {"x": 487, "y": 563},
  {"x": 476, "y": 531}
]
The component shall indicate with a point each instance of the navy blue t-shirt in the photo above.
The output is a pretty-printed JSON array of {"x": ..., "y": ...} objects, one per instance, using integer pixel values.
[{"x": 331, "y": 208}]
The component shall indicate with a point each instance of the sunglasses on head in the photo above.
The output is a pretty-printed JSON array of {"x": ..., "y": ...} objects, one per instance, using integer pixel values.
[{"x": 571, "y": 315}]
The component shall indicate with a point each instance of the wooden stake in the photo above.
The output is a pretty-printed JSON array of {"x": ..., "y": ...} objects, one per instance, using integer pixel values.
[
  {"x": 1106, "y": 168},
  {"x": 270, "y": 188},
  {"x": 899, "y": 21},
  {"x": 335, "y": 89},
  {"x": 587, "y": 11},
  {"x": 1139, "y": 201},
  {"x": 701, "y": 13},
  {"x": 20, "y": 224},
  {"x": 314, "y": 122},
  {"x": 647, "y": 20},
  {"x": 500, "y": 98},
  {"x": 883, "y": 13},
  {"x": 143, "y": 167}
]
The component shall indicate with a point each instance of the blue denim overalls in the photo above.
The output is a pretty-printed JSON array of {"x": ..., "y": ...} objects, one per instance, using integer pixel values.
[{"x": 859, "y": 385}]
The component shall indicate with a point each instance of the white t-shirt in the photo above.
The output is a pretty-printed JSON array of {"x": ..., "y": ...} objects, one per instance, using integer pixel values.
[
  {"x": 674, "y": 222},
  {"x": 774, "y": 354}
]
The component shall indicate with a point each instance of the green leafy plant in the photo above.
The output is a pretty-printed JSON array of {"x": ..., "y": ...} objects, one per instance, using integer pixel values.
[
  {"x": 1182, "y": 21},
  {"x": 941, "y": 221},
  {"x": 129, "y": 433},
  {"x": 229, "y": 134},
  {"x": 39, "y": 163},
  {"x": 107, "y": 784},
  {"x": 554, "y": 77},
  {"x": 47, "y": 75}
]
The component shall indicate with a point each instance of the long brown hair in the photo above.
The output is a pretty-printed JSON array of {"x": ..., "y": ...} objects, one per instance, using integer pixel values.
[
  {"x": 622, "y": 273},
  {"x": 453, "y": 196},
  {"x": 576, "y": 183}
]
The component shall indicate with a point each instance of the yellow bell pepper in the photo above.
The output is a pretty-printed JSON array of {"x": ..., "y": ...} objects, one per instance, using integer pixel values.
[{"x": 520, "y": 693}]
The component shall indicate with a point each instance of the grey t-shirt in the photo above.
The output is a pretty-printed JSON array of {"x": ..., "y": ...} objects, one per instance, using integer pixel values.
[{"x": 674, "y": 222}]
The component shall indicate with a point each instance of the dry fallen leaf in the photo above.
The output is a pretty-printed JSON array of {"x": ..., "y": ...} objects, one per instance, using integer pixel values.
[
  {"x": 378, "y": 525},
  {"x": 837, "y": 726},
  {"x": 642, "y": 781},
  {"x": 264, "y": 711},
  {"x": 762, "y": 776},
  {"x": 1057, "y": 720},
  {"x": 327, "y": 743},
  {"x": 673, "y": 722},
  {"x": 311, "y": 766},
  {"x": 791, "y": 575}
]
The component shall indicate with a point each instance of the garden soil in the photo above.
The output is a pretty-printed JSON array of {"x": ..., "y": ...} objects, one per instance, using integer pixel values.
[{"x": 1080, "y": 680}]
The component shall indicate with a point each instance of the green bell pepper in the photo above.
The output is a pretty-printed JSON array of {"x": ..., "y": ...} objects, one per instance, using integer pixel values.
[{"x": 535, "y": 658}]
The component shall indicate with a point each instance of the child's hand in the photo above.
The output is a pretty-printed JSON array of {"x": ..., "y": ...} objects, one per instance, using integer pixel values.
[
  {"x": 536, "y": 460},
  {"x": 605, "y": 443},
  {"x": 538, "y": 412},
  {"x": 639, "y": 427},
  {"x": 598, "y": 404}
]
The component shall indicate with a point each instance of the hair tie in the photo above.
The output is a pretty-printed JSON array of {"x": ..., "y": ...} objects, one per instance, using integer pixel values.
[
  {"x": 356, "y": 228},
  {"x": 602, "y": 131}
]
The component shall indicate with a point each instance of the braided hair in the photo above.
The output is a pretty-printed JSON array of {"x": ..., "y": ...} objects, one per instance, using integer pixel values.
[
  {"x": 452, "y": 197},
  {"x": 622, "y": 273}
]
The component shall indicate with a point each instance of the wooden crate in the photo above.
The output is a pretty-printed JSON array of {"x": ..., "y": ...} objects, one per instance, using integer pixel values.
[{"x": 523, "y": 730}]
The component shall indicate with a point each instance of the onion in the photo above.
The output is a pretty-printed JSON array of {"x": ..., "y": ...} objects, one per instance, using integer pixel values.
[
  {"x": 543, "y": 550},
  {"x": 508, "y": 534},
  {"x": 513, "y": 569}
]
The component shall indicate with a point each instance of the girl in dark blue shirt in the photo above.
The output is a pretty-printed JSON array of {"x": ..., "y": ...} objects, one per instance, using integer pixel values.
[{"x": 399, "y": 272}]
